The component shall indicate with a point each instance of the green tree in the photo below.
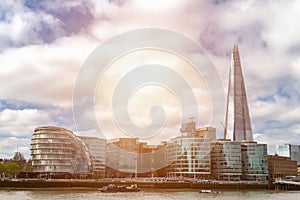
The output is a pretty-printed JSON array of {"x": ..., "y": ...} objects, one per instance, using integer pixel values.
[
  {"x": 13, "y": 169},
  {"x": 2, "y": 169}
]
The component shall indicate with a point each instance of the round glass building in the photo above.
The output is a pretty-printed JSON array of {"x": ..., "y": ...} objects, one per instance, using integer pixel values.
[{"x": 57, "y": 151}]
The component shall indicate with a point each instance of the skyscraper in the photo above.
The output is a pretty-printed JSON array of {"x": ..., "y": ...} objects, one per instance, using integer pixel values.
[{"x": 237, "y": 122}]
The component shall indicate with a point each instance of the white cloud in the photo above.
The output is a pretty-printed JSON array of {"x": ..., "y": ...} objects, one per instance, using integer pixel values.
[
  {"x": 21, "y": 123},
  {"x": 267, "y": 33},
  {"x": 280, "y": 135},
  {"x": 44, "y": 74},
  {"x": 295, "y": 68},
  {"x": 8, "y": 146},
  {"x": 22, "y": 26}
]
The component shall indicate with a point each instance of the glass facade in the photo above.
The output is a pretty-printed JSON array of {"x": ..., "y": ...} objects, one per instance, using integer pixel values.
[
  {"x": 295, "y": 153},
  {"x": 226, "y": 160},
  {"x": 97, "y": 150},
  {"x": 57, "y": 150},
  {"x": 188, "y": 157},
  {"x": 289, "y": 150},
  {"x": 128, "y": 157},
  {"x": 254, "y": 161},
  {"x": 122, "y": 157},
  {"x": 283, "y": 150}
]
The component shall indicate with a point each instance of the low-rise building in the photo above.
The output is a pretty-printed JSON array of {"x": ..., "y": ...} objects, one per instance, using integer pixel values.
[
  {"x": 280, "y": 166},
  {"x": 121, "y": 157},
  {"x": 129, "y": 157}
]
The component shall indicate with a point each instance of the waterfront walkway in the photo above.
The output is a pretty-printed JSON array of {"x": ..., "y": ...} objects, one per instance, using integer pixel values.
[
  {"x": 142, "y": 183},
  {"x": 289, "y": 183}
]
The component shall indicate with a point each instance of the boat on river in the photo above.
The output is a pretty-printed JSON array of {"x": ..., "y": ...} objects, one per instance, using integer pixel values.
[
  {"x": 210, "y": 192},
  {"x": 120, "y": 188}
]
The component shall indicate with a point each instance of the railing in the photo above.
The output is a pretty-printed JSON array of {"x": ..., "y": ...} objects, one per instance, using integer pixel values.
[{"x": 291, "y": 181}]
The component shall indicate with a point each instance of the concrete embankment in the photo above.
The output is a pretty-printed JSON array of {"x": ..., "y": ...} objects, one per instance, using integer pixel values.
[{"x": 142, "y": 184}]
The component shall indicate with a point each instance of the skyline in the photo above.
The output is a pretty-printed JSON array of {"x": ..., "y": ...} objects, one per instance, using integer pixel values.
[{"x": 44, "y": 45}]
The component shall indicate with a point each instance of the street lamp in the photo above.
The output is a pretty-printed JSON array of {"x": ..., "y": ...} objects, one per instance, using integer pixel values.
[{"x": 136, "y": 165}]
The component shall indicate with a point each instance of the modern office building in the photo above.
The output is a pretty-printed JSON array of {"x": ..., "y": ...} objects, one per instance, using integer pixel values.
[
  {"x": 237, "y": 121},
  {"x": 188, "y": 155},
  {"x": 97, "y": 150},
  {"x": 226, "y": 160},
  {"x": 280, "y": 166},
  {"x": 289, "y": 150},
  {"x": 57, "y": 151},
  {"x": 122, "y": 157},
  {"x": 152, "y": 160},
  {"x": 254, "y": 161},
  {"x": 129, "y": 157}
]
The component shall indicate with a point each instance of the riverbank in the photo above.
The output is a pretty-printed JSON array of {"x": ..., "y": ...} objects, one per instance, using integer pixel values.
[{"x": 59, "y": 183}]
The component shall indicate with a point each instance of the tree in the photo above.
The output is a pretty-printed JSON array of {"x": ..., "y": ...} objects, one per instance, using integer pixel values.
[
  {"x": 2, "y": 169},
  {"x": 13, "y": 169}
]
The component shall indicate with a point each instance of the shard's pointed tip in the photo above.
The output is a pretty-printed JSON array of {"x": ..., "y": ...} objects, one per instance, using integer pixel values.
[{"x": 235, "y": 48}]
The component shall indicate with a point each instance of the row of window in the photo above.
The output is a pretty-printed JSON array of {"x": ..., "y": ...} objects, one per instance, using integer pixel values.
[{"x": 34, "y": 152}]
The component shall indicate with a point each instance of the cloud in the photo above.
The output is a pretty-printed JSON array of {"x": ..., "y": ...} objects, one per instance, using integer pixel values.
[
  {"x": 37, "y": 22},
  {"x": 74, "y": 16},
  {"x": 268, "y": 46},
  {"x": 16, "y": 129},
  {"x": 43, "y": 74},
  {"x": 44, "y": 44},
  {"x": 10, "y": 145},
  {"x": 21, "y": 123},
  {"x": 21, "y": 26},
  {"x": 278, "y": 135}
]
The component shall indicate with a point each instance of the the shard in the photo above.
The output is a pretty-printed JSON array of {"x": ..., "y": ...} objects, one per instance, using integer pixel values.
[{"x": 237, "y": 121}]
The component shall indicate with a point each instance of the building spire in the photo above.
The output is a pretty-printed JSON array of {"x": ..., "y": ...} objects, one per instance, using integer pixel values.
[{"x": 237, "y": 121}]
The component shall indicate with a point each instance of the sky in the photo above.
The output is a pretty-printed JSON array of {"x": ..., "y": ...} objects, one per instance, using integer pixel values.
[{"x": 45, "y": 44}]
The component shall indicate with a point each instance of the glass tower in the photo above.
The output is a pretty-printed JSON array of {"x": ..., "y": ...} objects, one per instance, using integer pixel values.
[{"x": 237, "y": 122}]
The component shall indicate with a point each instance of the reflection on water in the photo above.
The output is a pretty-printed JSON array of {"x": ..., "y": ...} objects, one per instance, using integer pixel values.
[{"x": 145, "y": 194}]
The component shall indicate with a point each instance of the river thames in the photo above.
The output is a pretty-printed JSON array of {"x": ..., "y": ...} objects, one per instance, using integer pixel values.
[{"x": 145, "y": 194}]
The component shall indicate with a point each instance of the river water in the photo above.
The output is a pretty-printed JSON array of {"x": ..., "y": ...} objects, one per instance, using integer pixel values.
[{"x": 145, "y": 194}]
